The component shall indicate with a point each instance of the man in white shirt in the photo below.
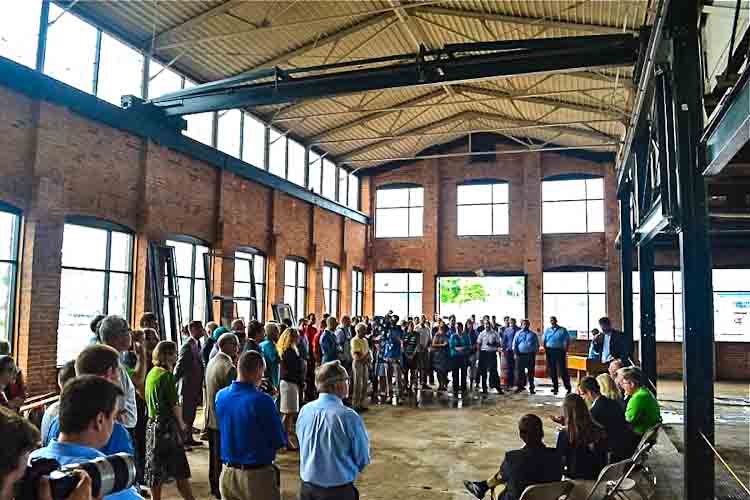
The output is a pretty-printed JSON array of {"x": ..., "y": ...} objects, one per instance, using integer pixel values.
[
  {"x": 423, "y": 352},
  {"x": 114, "y": 331},
  {"x": 489, "y": 341}
]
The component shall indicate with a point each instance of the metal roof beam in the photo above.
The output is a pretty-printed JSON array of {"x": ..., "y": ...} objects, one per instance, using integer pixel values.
[
  {"x": 183, "y": 27},
  {"x": 533, "y": 21},
  {"x": 521, "y": 124}
]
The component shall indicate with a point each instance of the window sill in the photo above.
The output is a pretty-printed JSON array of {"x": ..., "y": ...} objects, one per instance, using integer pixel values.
[
  {"x": 483, "y": 236},
  {"x": 570, "y": 235},
  {"x": 399, "y": 237}
]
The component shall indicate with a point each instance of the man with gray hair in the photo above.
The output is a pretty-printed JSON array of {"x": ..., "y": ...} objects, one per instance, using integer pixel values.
[
  {"x": 334, "y": 446},
  {"x": 220, "y": 373},
  {"x": 114, "y": 331}
]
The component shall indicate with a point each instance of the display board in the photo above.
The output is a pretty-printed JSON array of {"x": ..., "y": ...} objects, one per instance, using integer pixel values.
[{"x": 491, "y": 295}]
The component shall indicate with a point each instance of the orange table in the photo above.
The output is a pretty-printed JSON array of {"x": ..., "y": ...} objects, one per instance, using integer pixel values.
[{"x": 582, "y": 364}]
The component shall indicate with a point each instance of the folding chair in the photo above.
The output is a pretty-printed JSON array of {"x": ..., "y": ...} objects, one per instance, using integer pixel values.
[{"x": 548, "y": 491}]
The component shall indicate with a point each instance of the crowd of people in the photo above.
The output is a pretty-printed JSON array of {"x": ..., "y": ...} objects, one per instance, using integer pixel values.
[{"x": 303, "y": 388}]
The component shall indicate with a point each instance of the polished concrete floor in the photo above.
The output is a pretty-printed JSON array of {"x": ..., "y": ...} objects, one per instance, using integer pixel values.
[{"x": 424, "y": 448}]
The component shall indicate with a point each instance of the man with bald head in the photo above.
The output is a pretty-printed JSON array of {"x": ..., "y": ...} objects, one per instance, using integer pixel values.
[{"x": 333, "y": 441}]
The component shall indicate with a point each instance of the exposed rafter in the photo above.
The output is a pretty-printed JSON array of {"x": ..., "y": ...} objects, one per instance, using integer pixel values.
[
  {"x": 465, "y": 115},
  {"x": 186, "y": 26},
  {"x": 534, "y": 21}
]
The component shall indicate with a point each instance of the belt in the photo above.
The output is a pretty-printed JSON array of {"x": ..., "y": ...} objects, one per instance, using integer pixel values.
[
  {"x": 316, "y": 487},
  {"x": 248, "y": 466}
]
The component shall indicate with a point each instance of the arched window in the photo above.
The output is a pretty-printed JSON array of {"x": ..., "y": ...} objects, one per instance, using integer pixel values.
[
  {"x": 248, "y": 259},
  {"x": 191, "y": 277},
  {"x": 10, "y": 235},
  {"x": 295, "y": 285},
  {"x": 96, "y": 278},
  {"x": 576, "y": 296},
  {"x": 398, "y": 211},
  {"x": 331, "y": 289},
  {"x": 482, "y": 208},
  {"x": 573, "y": 204}
]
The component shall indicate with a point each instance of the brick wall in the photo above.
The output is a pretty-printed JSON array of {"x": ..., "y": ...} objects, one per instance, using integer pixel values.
[{"x": 57, "y": 164}]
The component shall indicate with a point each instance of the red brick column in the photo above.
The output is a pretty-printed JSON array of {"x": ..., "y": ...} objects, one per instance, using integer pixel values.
[{"x": 532, "y": 214}]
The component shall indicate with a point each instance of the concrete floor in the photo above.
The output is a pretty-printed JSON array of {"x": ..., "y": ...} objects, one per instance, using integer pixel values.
[{"x": 425, "y": 449}]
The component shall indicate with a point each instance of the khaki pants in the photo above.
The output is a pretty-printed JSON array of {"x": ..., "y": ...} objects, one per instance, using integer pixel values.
[
  {"x": 256, "y": 484},
  {"x": 359, "y": 393}
]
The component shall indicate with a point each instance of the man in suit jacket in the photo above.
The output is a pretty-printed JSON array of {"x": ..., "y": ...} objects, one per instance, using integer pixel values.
[
  {"x": 616, "y": 345},
  {"x": 189, "y": 374},
  {"x": 610, "y": 415},
  {"x": 535, "y": 463},
  {"x": 220, "y": 373}
]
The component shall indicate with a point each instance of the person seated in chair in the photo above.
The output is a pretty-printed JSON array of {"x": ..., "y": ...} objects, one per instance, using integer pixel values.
[
  {"x": 535, "y": 463},
  {"x": 642, "y": 411}
]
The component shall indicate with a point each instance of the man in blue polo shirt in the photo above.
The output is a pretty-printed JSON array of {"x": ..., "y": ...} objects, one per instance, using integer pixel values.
[
  {"x": 251, "y": 433},
  {"x": 556, "y": 341},
  {"x": 525, "y": 346},
  {"x": 88, "y": 410}
]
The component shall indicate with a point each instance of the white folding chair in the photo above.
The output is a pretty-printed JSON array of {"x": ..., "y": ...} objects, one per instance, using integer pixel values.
[{"x": 548, "y": 491}]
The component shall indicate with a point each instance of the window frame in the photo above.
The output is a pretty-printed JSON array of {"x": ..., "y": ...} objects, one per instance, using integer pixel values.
[
  {"x": 358, "y": 293},
  {"x": 297, "y": 287},
  {"x": 259, "y": 281},
  {"x": 408, "y": 208},
  {"x": 588, "y": 293},
  {"x": 195, "y": 242},
  {"x": 109, "y": 227},
  {"x": 14, "y": 263},
  {"x": 585, "y": 200},
  {"x": 491, "y": 204},
  {"x": 674, "y": 273},
  {"x": 408, "y": 291},
  {"x": 329, "y": 290}
]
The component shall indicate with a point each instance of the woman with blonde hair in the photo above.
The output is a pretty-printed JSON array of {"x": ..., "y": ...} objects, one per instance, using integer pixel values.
[
  {"x": 291, "y": 383},
  {"x": 582, "y": 443},
  {"x": 165, "y": 450}
]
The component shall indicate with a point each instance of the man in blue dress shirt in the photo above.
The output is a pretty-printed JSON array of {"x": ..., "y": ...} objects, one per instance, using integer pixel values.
[
  {"x": 556, "y": 341},
  {"x": 251, "y": 433},
  {"x": 525, "y": 346},
  {"x": 329, "y": 349},
  {"x": 509, "y": 333},
  {"x": 334, "y": 446}
]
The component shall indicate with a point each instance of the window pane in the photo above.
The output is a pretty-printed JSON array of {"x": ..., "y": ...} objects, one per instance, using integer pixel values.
[
  {"x": 253, "y": 142},
  {"x": 415, "y": 304},
  {"x": 386, "y": 198},
  {"x": 200, "y": 250},
  {"x": 664, "y": 317},
  {"x": 500, "y": 219},
  {"x": 260, "y": 269},
  {"x": 71, "y": 50},
  {"x": 500, "y": 193},
  {"x": 276, "y": 153},
  {"x": 416, "y": 197},
  {"x": 243, "y": 306},
  {"x": 595, "y": 216},
  {"x": 663, "y": 281},
  {"x": 19, "y": 32},
  {"x": 300, "y": 309},
  {"x": 678, "y": 318},
  {"x": 199, "y": 304},
  {"x": 183, "y": 257},
  {"x": 120, "y": 252},
  {"x": 326, "y": 277},
  {"x": 301, "y": 274},
  {"x": 474, "y": 194},
  {"x": 162, "y": 81},
  {"x": 677, "y": 279},
  {"x": 242, "y": 267},
  {"x": 8, "y": 235},
  {"x": 7, "y": 278},
  {"x": 396, "y": 302},
  {"x": 335, "y": 278},
  {"x": 334, "y": 309},
  {"x": 120, "y": 71},
  {"x": 343, "y": 186},
  {"x": 329, "y": 179},
  {"x": 119, "y": 293},
  {"x": 289, "y": 296},
  {"x": 595, "y": 189},
  {"x": 260, "y": 295},
  {"x": 200, "y": 127},
  {"x": 564, "y": 282},
  {"x": 392, "y": 222},
  {"x": 415, "y": 221},
  {"x": 391, "y": 282},
  {"x": 564, "y": 217},
  {"x": 563, "y": 190},
  {"x": 474, "y": 219},
  {"x": 597, "y": 309},
  {"x": 84, "y": 247},
  {"x": 296, "y": 163},
  {"x": 353, "y": 202},
  {"x": 314, "y": 175},
  {"x": 81, "y": 298},
  {"x": 570, "y": 309},
  {"x": 290, "y": 269},
  {"x": 597, "y": 282},
  {"x": 415, "y": 282},
  {"x": 228, "y": 135},
  {"x": 731, "y": 280}
]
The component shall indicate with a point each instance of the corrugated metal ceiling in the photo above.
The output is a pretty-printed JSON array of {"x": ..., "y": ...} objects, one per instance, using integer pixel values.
[{"x": 217, "y": 39}]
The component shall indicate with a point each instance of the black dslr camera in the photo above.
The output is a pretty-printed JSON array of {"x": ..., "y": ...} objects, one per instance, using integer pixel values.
[{"x": 108, "y": 475}]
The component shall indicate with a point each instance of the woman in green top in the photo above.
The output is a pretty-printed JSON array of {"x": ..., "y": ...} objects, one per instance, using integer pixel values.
[
  {"x": 165, "y": 452},
  {"x": 642, "y": 411}
]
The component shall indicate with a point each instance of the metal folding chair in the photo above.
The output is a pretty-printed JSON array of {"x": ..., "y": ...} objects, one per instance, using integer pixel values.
[{"x": 548, "y": 491}]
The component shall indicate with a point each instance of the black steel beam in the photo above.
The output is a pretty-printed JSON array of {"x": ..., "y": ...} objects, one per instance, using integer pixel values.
[
  {"x": 647, "y": 295},
  {"x": 695, "y": 255},
  {"x": 449, "y": 65},
  {"x": 626, "y": 265}
]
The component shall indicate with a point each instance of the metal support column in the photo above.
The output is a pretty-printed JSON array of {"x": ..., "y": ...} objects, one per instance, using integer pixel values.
[
  {"x": 695, "y": 256},
  {"x": 41, "y": 46},
  {"x": 648, "y": 312},
  {"x": 626, "y": 263}
]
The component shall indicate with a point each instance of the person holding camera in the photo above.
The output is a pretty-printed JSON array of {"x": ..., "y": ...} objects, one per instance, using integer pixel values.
[{"x": 88, "y": 412}]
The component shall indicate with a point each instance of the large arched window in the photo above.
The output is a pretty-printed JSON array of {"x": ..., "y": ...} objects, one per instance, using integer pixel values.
[
  {"x": 295, "y": 285},
  {"x": 250, "y": 259},
  {"x": 96, "y": 278},
  {"x": 577, "y": 297},
  {"x": 191, "y": 277},
  {"x": 398, "y": 211},
  {"x": 573, "y": 204},
  {"x": 10, "y": 235}
]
